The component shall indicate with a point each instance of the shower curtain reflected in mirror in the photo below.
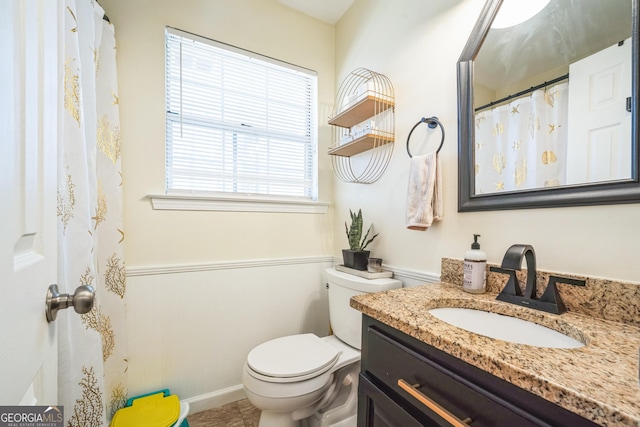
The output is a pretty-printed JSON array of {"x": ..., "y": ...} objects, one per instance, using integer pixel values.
[{"x": 523, "y": 144}]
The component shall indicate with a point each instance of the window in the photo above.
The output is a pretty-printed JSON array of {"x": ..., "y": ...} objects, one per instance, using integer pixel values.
[{"x": 238, "y": 122}]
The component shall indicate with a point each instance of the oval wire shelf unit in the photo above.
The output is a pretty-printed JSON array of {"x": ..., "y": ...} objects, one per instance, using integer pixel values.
[{"x": 364, "y": 127}]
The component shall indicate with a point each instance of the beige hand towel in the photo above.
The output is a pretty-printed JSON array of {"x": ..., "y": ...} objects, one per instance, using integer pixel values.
[{"x": 424, "y": 195}]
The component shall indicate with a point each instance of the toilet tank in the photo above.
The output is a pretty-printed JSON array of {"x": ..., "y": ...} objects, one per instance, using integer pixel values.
[{"x": 346, "y": 322}]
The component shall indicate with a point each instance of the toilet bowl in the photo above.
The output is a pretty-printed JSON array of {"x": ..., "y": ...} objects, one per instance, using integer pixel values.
[
  {"x": 291, "y": 378},
  {"x": 305, "y": 380}
]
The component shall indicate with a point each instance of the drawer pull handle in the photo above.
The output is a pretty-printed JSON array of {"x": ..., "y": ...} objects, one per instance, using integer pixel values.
[{"x": 446, "y": 415}]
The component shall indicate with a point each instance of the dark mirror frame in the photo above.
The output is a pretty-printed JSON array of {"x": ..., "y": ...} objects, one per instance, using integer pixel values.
[{"x": 618, "y": 192}]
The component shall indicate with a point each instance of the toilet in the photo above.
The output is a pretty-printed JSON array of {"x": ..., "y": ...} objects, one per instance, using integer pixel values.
[{"x": 307, "y": 381}]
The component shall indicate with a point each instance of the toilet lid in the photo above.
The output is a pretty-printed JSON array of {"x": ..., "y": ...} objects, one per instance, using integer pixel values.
[{"x": 293, "y": 356}]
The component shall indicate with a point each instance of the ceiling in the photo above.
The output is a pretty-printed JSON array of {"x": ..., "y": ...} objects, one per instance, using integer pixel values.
[
  {"x": 328, "y": 11},
  {"x": 564, "y": 32}
]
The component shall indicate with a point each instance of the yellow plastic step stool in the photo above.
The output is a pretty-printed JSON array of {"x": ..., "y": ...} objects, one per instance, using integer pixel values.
[{"x": 154, "y": 410}]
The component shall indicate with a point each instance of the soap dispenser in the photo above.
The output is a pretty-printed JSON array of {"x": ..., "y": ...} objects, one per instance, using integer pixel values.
[{"x": 475, "y": 269}]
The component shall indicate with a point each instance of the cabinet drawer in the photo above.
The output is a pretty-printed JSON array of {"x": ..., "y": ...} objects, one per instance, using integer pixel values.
[
  {"x": 438, "y": 392},
  {"x": 377, "y": 410}
]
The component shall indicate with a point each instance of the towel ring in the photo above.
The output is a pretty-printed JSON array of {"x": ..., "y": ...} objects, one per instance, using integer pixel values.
[{"x": 432, "y": 122}]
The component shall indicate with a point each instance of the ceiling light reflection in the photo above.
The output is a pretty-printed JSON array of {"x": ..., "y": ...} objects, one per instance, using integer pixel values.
[{"x": 514, "y": 12}]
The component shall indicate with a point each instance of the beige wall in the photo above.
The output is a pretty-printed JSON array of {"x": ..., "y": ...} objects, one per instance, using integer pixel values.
[
  {"x": 157, "y": 237},
  {"x": 201, "y": 283},
  {"x": 190, "y": 330},
  {"x": 192, "y": 319},
  {"x": 417, "y": 44}
]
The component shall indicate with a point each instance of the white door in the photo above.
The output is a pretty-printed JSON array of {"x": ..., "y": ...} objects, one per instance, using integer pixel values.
[
  {"x": 599, "y": 143},
  {"x": 30, "y": 72}
]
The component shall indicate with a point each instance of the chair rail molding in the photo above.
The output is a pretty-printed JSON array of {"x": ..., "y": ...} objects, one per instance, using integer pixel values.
[{"x": 223, "y": 265}]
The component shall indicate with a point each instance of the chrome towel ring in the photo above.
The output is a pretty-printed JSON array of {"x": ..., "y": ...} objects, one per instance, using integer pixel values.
[{"x": 432, "y": 122}]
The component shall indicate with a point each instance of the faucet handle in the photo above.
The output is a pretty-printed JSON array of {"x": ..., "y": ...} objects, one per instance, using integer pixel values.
[
  {"x": 567, "y": 280},
  {"x": 551, "y": 294},
  {"x": 512, "y": 287}
]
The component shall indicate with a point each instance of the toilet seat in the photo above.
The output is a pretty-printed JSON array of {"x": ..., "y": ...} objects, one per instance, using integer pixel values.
[{"x": 292, "y": 358}]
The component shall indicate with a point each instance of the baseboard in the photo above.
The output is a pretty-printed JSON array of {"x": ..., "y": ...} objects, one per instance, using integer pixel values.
[{"x": 215, "y": 399}]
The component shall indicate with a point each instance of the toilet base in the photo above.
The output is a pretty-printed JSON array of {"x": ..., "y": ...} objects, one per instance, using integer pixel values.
[
  {"x": 272, "y": 419},
  {"x": 352, "y": 421},
  {"x": 277, "y": 419},
  {"x": 340, "y": 412},
  {"x": 343, "y": 411}
]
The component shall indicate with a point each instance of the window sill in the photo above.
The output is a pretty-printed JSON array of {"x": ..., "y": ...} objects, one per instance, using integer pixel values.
[{"x": 234, "y": 204}]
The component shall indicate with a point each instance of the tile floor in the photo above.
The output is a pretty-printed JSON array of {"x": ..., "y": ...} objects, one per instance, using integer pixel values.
[{"x": 235, "y": 414}]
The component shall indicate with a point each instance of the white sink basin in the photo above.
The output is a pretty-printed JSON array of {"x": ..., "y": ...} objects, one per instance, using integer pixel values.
[{"x": 504, "y": 328}]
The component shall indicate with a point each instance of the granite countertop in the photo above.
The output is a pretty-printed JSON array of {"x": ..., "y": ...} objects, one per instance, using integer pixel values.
[{"x": 598, "y": 381}]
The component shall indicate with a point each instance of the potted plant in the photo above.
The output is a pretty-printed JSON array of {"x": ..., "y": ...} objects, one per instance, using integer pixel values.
[{"x": 356, "y": 257}]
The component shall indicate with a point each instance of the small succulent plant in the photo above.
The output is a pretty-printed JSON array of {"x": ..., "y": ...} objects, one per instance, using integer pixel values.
[{"x": 354, "y": 232}]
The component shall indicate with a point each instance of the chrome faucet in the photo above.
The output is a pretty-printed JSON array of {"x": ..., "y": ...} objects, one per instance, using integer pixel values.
[{"x": 550, "y": 300}]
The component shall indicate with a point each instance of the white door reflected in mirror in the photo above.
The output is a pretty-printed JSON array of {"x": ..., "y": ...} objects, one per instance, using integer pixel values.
[{"x": 599, "y": 143}]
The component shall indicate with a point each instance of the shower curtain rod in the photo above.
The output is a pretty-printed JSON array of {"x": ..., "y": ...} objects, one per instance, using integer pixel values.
[{"x": 524, "y": 92}]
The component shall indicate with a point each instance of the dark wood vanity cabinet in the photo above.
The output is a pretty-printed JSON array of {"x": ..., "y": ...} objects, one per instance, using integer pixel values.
[{"x": 405, "y": 382}]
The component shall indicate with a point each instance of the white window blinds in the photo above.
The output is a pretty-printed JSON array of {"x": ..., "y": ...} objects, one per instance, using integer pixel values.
[{"x": 238, "y": 122}]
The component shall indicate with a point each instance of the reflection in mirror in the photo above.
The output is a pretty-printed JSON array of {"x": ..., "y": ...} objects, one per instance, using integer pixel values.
[
  {"x": 546, "y": 107},
  {"x": 575, "y": 128}
]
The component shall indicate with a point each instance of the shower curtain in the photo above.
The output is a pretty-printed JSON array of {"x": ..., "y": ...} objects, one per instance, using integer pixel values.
[
  {"x": 91, "y": 347},
  {"x": 523, "y": 144}
]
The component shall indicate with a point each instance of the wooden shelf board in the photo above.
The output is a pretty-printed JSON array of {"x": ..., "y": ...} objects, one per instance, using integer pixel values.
[
  {"x": 364, "y": 109},
  {"x": 360, "y": 145}
]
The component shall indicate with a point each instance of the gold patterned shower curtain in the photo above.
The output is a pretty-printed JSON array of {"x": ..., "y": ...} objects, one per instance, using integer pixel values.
[
  {"x": 523, "y": 144},
  {"x": 92, "y": 354}
]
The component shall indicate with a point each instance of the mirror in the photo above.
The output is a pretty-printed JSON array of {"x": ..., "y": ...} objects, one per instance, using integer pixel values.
[{"x": 526, "y": 139}]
